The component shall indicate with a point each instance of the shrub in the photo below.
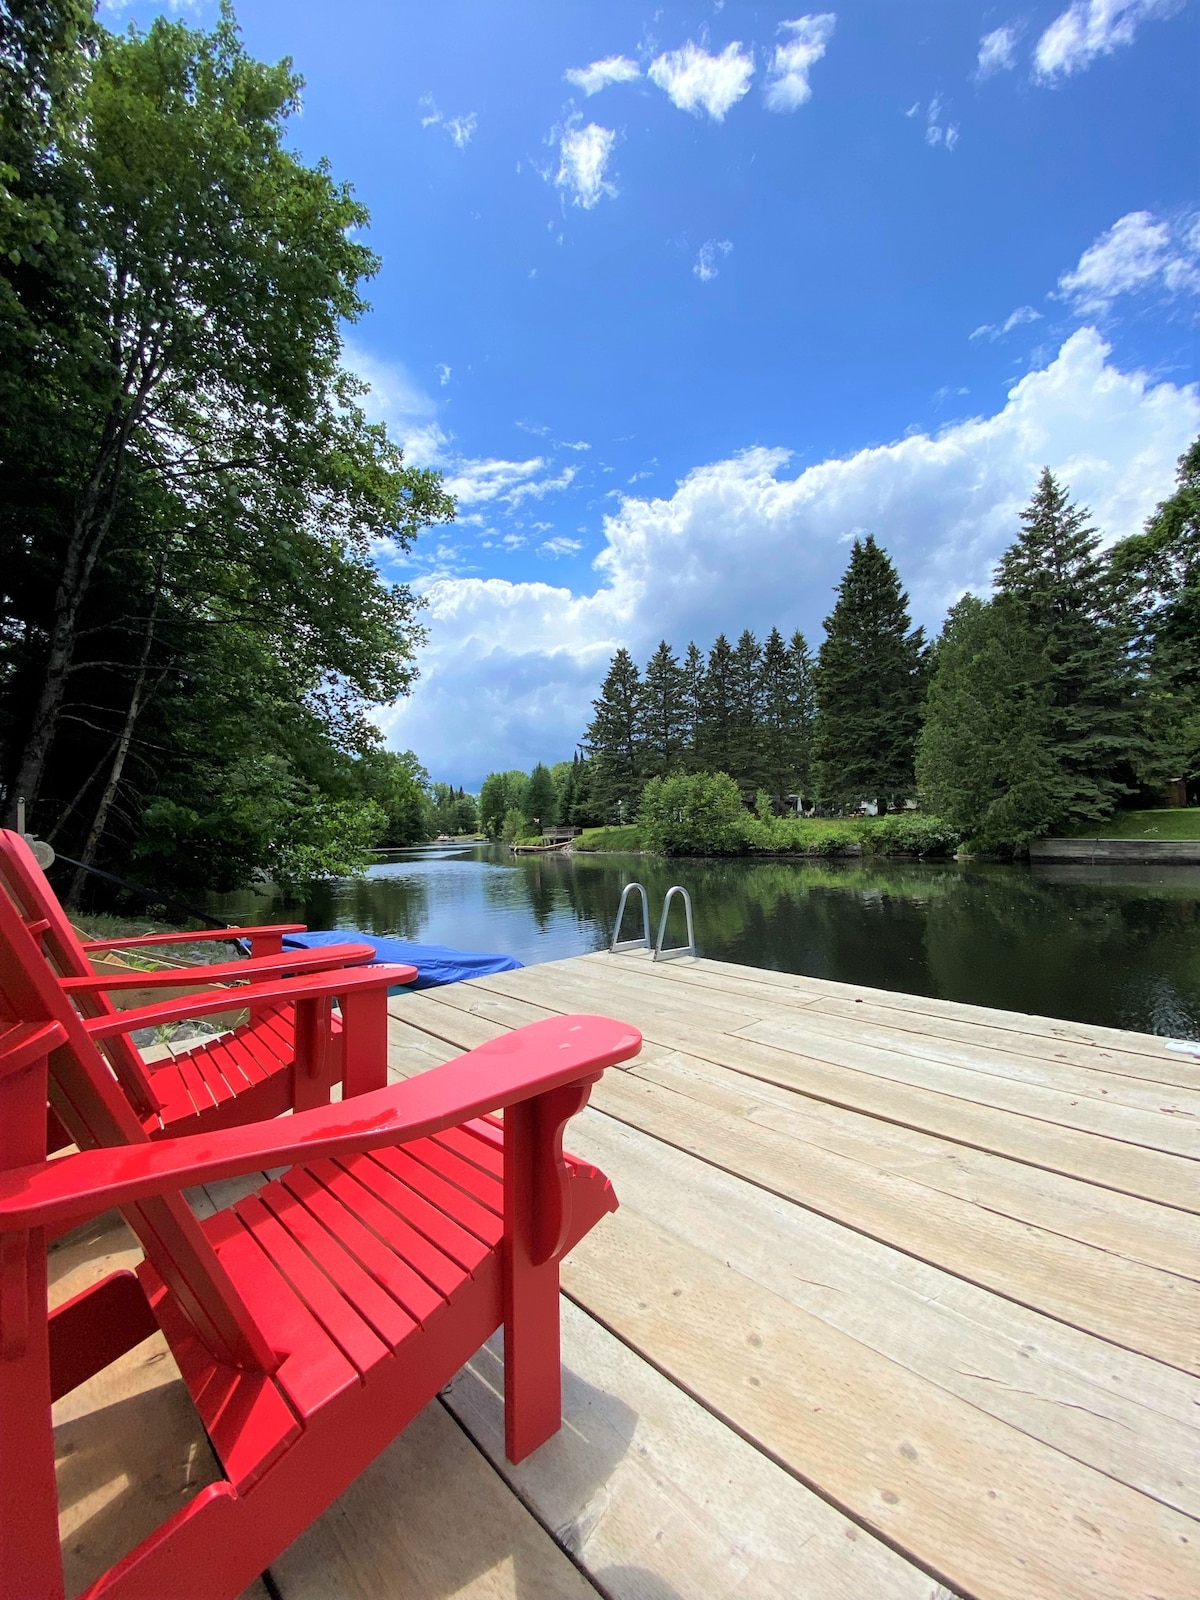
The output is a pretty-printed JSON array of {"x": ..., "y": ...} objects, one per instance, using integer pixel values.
[
  {"x": 697, "y": 814},
  {"x": 910, "y": 832}
]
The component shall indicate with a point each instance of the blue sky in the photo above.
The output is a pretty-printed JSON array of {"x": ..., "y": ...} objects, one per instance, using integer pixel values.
[{"x": 682, "y": 298}]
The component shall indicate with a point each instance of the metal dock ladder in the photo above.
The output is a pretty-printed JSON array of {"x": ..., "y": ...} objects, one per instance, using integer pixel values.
[{"x": 618, "y": 944}]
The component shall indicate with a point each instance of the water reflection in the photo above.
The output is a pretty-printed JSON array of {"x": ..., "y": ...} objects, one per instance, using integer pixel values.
[{"x": 1099, "y": 944}]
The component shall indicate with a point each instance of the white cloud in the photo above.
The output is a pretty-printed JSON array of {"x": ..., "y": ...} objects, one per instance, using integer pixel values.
[
  {"x": 1015, "y": 319},
  {"x": 583, "y": 159},
  {"x": 458, "y": 129},
  {"x": 696, "y": 81},
  {"x": 394, "y": 398},
  {"x": 560, "y": 547},
  {"x": 935, "y": 132},
  {"x": 511, "y": 668},
  {"x": 539, "y": 488},
  {"x": 443, "y": 372},
  {"x": 574, "y": 444},
  {"x": 787, "y": 86},
  {"x": 597, "y": 76},
  {"x": 1139, "y": 252},
  {"x": 1091, "y": 28},
  {"x": 998, "y": 51},
  {"x": 706, "y": 262}
]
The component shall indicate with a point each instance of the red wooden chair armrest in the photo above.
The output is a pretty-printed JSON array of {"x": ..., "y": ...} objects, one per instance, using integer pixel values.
[
  {"x": 322, "y": 958},
  {"x": 26, "y": 1042},
  {"x": 229, "y": 935},
  {"x": 278, "y": 991},
  {"x": 558, "y": 1053}
]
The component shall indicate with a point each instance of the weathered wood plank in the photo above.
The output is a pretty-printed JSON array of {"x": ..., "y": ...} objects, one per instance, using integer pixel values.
[
  {"x": 1137, "y": 1307},
  {"x": 1132, "y": 1418},
  {"x": 976, "y": 1502},
  {"x": 658, "y": 1498}
]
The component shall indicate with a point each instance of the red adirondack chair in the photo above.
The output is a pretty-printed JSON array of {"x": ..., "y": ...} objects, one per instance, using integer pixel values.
[
  {"x": 314, "y": 1319},
  {"x": 242, "y": 1076}
]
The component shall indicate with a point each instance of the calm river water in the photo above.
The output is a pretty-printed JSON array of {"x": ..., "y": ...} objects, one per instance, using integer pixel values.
[{"x": 1115, "y": 946}]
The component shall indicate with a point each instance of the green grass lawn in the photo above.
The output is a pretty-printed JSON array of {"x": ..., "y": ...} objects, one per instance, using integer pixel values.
[{"x": 1174, "y": 823}]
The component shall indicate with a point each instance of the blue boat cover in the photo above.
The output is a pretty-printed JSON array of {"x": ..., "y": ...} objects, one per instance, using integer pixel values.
[{"x": 436, "y": 964}]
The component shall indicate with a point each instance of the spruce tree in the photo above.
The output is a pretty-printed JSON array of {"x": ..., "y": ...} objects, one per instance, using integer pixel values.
[
  {"x": 614, "y": 740},
  {"x": 869, "y": 686},
  {"x": 775, "y": 735},
  {"x": 746, "y": 730},
  {"x": 664, "y": 713},
  {"x": 1054, "y": 582},
  {"x": 802, "y": 709},
  {"x": 1157, "y": 575},
  {"x": 693, "y": 703},
  {"x": 714, "y": 736}
]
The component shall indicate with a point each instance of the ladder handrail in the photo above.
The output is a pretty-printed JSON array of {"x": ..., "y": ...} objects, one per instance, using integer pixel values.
[
  {"x": 688, "y": 949},
  {"x": 631, "y": 944}
]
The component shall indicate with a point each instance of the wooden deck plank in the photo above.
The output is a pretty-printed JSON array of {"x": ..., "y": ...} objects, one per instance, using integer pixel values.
[
  {"x": 1153, "y": 1175},
  {"x": 976, "y": 1502},
  {"x": 658, "y": 1498},
  {"x": 1132, "y": 1418},
  {"x": 1137, "y": 1307},
  {"x": 1041, "y": 1091},
  {"x": 1136, "y": 1228},
  {"x": 845, "y": 1000}
]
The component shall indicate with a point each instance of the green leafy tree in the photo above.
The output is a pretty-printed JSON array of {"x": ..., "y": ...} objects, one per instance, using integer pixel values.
[
  {"x": 541, "y": 799},
  {"x": 399, "y": 785},
  {"x": 1157, "y": 574},
  {"x": 191, "y": 489},
  {"x": 698, "y": 813},
  {"x": 869, "y": 686},
  {"x": 614, "y": 740},
  {"x": 501, "y": 793},
  {"x": 663, "y": 713}
]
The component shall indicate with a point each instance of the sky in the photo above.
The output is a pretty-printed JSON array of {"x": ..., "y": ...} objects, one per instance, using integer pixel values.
[{"x": 682, "y": 299}]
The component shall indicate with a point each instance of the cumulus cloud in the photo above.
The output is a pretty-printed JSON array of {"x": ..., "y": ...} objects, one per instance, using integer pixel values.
[
  {"x": 998, "y": 51},
  {"x": 1139, "y": 252},
  {"x": 1088, "y": 29},
  {"x": 696, "y": 81},
  {"x": 787, "y": 86},
  {"x": 511, "y": 668},
  {"x": 508, "y": 482},
  {"x": 706, "y": 261},
  {"x": 597, "y": 76},
  {"x": 1015, "y": 319},
  {"x": 583, "y": 160}
]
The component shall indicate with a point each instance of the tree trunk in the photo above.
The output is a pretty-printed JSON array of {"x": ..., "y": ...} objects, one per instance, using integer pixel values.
[
  {"x": 124, "y": 740},
  {"x": 93, "y": 519}
]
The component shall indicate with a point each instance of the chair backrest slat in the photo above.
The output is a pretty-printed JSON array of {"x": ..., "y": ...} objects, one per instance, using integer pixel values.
[
  {"x": 39, "y": 908},
  {"x": 93, "y": 1108}
]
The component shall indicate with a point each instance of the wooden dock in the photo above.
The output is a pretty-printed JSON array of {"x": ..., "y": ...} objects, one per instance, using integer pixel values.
[{"x": 901, "y": 1303}]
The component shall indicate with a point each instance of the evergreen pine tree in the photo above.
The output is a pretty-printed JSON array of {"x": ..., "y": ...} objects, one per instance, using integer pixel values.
[
  {"x": 693, "y": 697},
  {"x": 1054, "y": 582},
  {"x": 869, "y": 686},
  {"x": 614, "y": 740},
  {"x": 802, "y": 709},
  {"x": 664, "y": 713},
  {"x": 775, "y": 733},
  {"x": 714, "y": 736},
  {"x": 746, "y": 729},
  {"x": 1157, "y": 574}
]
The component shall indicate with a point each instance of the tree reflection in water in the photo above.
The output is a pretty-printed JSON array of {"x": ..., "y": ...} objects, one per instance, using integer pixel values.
[{"x": 1094, "y": 944}]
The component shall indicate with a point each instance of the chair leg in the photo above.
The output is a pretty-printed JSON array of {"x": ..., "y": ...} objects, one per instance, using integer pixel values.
[
  {"x": 532, "y": 1350},
  {"x": 30, "y": 1557}
]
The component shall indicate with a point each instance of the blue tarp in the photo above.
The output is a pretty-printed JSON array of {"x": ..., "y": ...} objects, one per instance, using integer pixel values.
[{"x": 436, "y": 964}]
